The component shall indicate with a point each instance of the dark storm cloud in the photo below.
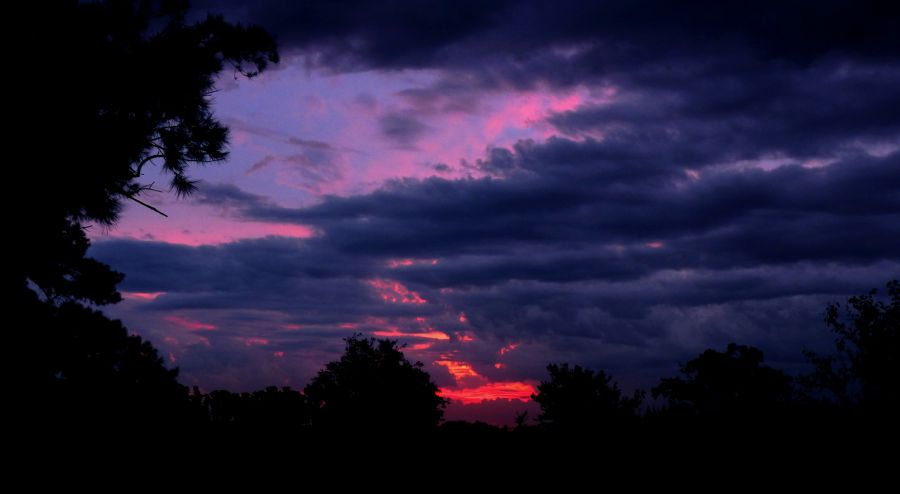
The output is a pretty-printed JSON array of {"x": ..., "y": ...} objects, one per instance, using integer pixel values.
[
  {"x": 742, "y": 172},
  {"x": 807, "y": 112},
  {"x": 562, "y": 201},
  {"x": 542, "y": 226},
  {"x": 411, "y": 33},
  {"x": 751, "y": 49}
]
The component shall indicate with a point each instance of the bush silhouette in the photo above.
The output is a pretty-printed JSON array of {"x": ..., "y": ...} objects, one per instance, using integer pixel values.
[
  {"x": 727, "y": 384},
  {"x": 578, "y": 399},
  {"x": 374, "y": 387}
]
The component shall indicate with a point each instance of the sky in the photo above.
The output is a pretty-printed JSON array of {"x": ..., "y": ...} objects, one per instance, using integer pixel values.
[{"x": 502, "y": 185}]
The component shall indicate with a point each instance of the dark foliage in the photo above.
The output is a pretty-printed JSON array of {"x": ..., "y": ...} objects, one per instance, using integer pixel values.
[
  {"x": 579, "y": 399},
  {"x": 374, "y": 387},
  {"x": 727, "y": 384},
  {"x": 865, "y": 370},
  {"x": 271, "y": 410},
  {"x": 79, "y": 368},
  {"x": 103, "y": 89}
]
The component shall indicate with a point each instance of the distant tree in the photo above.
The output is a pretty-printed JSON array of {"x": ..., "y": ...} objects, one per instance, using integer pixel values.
[
  {"x": 865, "y": 370},
  {"x": 374, "y": 387},
  {"x": 578, "y": 399},
  {"x": 727, "y": 384},
  {"x": 271, "y": 409}
]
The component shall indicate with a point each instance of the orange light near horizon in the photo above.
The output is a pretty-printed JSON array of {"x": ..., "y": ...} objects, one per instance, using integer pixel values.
[
  {"x": 190, "y": 325},
  {"x": 498, "y": 365},
  {"x": 655, "y": 245},
  {"x": 511, "y": 390},
  {"x": 431, "y": 335},
  {"x": 395, "y": 293},
  {"x": 462, "y": 318},
  {"x": 418, "y": 347}
]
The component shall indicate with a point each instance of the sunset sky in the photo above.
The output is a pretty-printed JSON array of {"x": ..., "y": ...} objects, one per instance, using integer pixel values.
[{"x": 501, "y": 185}]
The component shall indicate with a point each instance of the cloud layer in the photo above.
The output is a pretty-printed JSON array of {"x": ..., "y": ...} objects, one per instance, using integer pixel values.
[{"x": 670, "y": 178}]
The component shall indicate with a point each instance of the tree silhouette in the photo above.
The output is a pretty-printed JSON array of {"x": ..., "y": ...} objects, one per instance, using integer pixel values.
[
  {"x": 271, "y": 409},
  {"x": 865, "y": 371},
  {"x": 106, "y": 89},
  {"x": 727, "y": 384},
  {"x": 103, "y": 91},
  {"x": 374, "y": 387},
  {"x": 90, "y": 371},
  {"x": 578, "y": 399}
]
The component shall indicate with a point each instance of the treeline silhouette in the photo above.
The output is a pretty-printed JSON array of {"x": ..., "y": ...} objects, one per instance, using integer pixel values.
[
  {"x": 93, "y": 374},
  {"x": 141, "y": 98}
]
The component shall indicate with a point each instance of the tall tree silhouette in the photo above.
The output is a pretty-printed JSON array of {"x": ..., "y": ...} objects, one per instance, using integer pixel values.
[
  {"x": 865, "y": 370},
  {"x": 374, "y": 387},
  {"x": 727, "y": 384},
  {"x": 104, "y": 90},
  {"x": 581, "y": 400}
]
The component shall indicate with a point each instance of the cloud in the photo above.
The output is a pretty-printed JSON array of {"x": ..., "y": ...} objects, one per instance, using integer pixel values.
[
  {"x": 404, "y": 130},
  {"x": 642, "y": 267},
  {"x": 723, "y": 173},
  {"x": 571, "y": 41}
]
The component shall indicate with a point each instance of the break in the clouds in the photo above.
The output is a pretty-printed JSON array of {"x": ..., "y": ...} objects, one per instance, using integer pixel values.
[{"x": 505, "y": 184}]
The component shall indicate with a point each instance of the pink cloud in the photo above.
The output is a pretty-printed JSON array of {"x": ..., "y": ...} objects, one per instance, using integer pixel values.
[
  {"x": 189, "y": 324},
  {"x": 507, "y": 390},
  {"x": 431, "y": 335},
  {"x": 142, "y": 296},
  {"x": 395, "y": 292}
]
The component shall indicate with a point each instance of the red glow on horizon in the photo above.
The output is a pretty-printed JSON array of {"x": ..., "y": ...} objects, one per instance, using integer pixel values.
[
  {"x": 510, "y": 390},
  {"x": 462, "y": 318},
  {"x": 498, "y": 365},
  {"x": 458, "y": 369},
  {"x": 394, "y": 292},
  {"x": 655, "y": 245},
  {"x": 191, "y": 325},
  {"x": 292, "y": 327},
  {"x": 278, "y": 354},
  {"x": 142, "y": 296},
  {"x": 431, "y": 335},
  {"x": 348, "y": 325}
]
